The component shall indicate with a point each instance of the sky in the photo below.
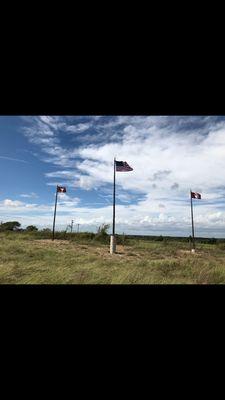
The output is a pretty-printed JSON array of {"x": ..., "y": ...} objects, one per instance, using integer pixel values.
[{"x": 168, "y": 154}]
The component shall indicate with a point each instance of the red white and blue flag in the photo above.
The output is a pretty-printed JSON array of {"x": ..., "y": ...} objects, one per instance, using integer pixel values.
[
  {"x": 122, "y": 166},
  {"x": 196, "y": 195}
]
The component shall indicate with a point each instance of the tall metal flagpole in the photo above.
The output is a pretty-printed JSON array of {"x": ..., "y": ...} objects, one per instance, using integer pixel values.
[
  {"x": 192, "y": 222},
  {"x": 113, "y": 239},
  {"x": 114, "y": 198},
  {"x": 56, "y": 198}
]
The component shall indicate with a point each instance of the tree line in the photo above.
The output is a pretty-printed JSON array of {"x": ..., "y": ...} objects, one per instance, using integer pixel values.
[
  {"x": 102, "y": 234},
  {"x": 16, "y": 226}
]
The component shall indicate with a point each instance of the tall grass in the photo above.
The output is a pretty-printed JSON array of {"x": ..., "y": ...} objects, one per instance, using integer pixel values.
[{"x": 32, "y": 257}]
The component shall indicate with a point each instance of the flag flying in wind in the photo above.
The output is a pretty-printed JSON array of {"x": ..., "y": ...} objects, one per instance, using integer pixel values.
[
  {"x": 61, "y": 189},
  {"x": 122, "y": 166},
  {"x": 196, "y": 195}
]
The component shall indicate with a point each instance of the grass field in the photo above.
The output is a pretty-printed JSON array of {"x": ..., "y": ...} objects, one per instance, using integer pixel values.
[{"x": 31, "y": 259}]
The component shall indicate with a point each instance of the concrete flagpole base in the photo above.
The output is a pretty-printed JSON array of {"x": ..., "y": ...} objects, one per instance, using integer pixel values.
[{"x": 112, "y": 244}]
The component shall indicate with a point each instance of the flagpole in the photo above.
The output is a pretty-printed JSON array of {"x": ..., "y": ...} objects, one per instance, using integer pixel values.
[
  {"x": 192, "y": 222},
  {"x": 112, "y": 238},
  {"x": 56, "y": 198},
  {"x": 114, "y": 198}
]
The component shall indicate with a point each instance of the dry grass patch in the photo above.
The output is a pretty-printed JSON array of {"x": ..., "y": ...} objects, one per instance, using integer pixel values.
[{"x": 64, "y": 261}]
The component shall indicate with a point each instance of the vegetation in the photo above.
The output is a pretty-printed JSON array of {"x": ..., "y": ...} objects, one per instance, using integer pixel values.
[
  {"x": 10, "y": 226},
  {"x": 31, "y": 257},
  {"x": 31, "y": 228},
  {"x": 102, "y": 235}
]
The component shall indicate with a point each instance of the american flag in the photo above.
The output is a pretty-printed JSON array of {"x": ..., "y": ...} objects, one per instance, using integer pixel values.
[
  {"x": 196, "y": 195},
  {"x": 61, "y": 189},
  {"x": 122, "y": 166}
]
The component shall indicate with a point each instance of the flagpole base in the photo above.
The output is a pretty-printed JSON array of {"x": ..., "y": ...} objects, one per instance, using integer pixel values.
[{"x": 112, "y": 244}]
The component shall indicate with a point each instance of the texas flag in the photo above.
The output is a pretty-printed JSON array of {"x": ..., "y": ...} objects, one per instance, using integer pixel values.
[
  {"x": 61, "y": 189},
  {"x": 196, "y": 195}
]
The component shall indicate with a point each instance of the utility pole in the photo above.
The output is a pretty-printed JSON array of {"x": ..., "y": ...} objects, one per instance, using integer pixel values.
[
  {"x": 78, "y": 225},
  {"x": 72, "y": 226}
]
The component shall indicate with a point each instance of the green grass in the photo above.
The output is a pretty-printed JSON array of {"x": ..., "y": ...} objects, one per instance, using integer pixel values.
[{"x": 35, "y": 259}]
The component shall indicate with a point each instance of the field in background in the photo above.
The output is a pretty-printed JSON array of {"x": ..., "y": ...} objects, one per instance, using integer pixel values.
[{"x": 84, "y": 259}]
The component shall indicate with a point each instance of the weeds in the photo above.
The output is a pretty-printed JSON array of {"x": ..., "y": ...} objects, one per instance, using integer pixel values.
[{"x": 32, "y": 257}]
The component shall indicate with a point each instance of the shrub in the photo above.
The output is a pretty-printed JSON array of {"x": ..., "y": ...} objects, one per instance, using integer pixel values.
[
  {"x": 102, "y": 235},
  {"x": 102, "y": 230},
  {"x": 46, "y": 230},
  {"x": 212, "y": 241},
  {"x": 159, "y": 238},
  {"x": 31, "y": 228},
  {"x": 10, "y": 226}
]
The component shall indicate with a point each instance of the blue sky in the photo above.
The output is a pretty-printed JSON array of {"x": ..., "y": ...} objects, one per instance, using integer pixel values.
[{"x": 169, "y": 154}]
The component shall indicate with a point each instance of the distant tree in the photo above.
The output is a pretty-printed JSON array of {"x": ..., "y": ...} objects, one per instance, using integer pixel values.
[
  {"x": 159, "y": 238},
  {"x": 46, "y": 230},
  {"x": 212, "y": 241},
  {"x": 31, "y": 228},
  {"x": 102, "y": 230},
  {"x": 102, "y": 234},
  {"x": 10, "y": 226}
]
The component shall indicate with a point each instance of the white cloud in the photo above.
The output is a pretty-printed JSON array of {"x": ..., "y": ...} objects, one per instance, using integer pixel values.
[
  {"x": 139, "y": 218},
  {"x": 31, "y": 195},
  {"x": 78, "y": 128},
  {"x": 60, "y": 174},
  {"x": 13, "y": 159},
  {"x": 11, "y": 203},
  {"x": 180, "y": 155}
]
